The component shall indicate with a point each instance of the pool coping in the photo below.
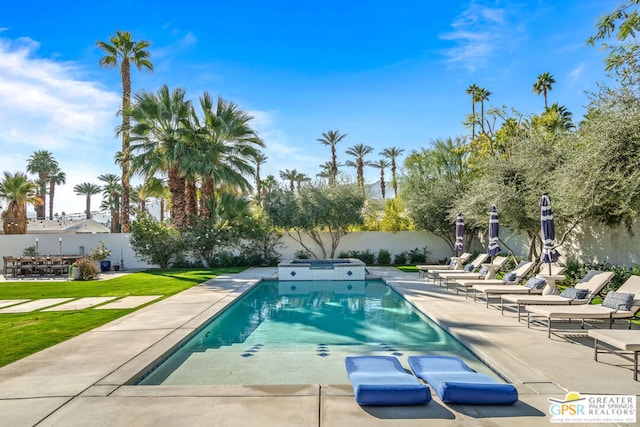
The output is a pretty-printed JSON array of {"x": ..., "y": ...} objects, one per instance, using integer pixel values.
[{"x": 74, "y": 378}]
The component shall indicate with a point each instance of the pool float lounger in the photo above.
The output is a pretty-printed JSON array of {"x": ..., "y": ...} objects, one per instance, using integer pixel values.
[
  {"x": 455, "y": 382},
  {"x": 381, "y": 380}
]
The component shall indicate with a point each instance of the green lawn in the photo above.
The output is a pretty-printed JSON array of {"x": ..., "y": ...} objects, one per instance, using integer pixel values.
[{"x": 22, "y": 334}]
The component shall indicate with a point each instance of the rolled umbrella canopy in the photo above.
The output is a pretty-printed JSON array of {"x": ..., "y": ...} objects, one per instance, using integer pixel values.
[
  {"x": 493, "y": 249},
  {"x": 459, "y": 234},
  {"x": 549, "y": 252}
]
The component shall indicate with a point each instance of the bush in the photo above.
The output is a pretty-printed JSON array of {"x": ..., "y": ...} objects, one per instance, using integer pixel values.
[
  {"x": 418, "y": 256},
  {"x": 400, "y": 259},
  {"x": 155, "y": 242},
  {"x": 303, "y": 254},
  {"x": 88, "y": 269},
  {"x": 365, "y": 256},
  {"x": 384, "y": 257}
]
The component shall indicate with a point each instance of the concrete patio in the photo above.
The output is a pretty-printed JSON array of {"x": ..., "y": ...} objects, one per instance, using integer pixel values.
[{"x": 83, "y": 381}]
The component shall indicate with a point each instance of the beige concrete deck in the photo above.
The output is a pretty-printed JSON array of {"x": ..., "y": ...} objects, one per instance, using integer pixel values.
[{"x": 83, "y": 381}]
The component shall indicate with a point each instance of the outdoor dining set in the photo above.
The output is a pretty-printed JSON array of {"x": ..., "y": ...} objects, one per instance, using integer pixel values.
[{"x": 41, "y": 265}]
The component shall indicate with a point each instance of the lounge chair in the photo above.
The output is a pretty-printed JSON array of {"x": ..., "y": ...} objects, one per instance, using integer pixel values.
[
  {"x": 621, "y": 304},
  {"x": 583, "y": 292},
  {"x": 455, "y": 382},
  {"x": 468, "y": 268},
  {"x": 620, "y": 342},
  {"x": 511, "y": 278},
  {"x": 533, "y": 286},
  {"x": 381, "y": 380},
  {"x": 449, "y": 277},
  {"x": 456, "y": 263}
]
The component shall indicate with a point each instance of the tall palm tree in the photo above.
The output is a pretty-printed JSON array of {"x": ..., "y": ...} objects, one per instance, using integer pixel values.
[
  {"x": 56, "y": 177},
  {"x": 158, "y": 143},
  {"x": 482, "y": 96},
  {"x": 111, "y": 192},
  {"x": 17, "y": 190},
  {"x": 41, "y": 163},
  {"x": 259, "y": 160},
  {"x": 359, "y": 151},
  {"x": 473, "y": 91},
  {"x": 392, "y": 154},
  {"x": 382, "y": 164},
  {"x": 291, "y": 176},
  {"x": 332, "y": 138},
  {"x": 87, "y": 189},
  {"x": 543, "y": 85},
  {"x": 123, "y": 51}
]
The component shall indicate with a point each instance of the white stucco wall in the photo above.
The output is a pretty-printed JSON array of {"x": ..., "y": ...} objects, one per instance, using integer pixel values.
[{"x": 594, "y": 243}]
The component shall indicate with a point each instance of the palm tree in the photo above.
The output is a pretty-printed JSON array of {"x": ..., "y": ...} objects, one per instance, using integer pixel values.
[
  {"x": 87, "y": 189},
  {"x": 41, "y": 163},
  {"x": 224, "y": 148},
  {"x": 17, "y": 190},
  {"x": 259, "y": 160},
  {"x": 56, "y": 177},
  {"x": 158, "y": 142},
  {"x": 155, "y": 187},
  {"x": 392, "y": 154},
  {"x": 300, "y": 178},
  {"x": 482, "y": 96},
  {"x": 382, "y": 164},
  {"x": 543, "y": 85},
  {"x": 331, "y": 138},
  {"x": 359, "y": 151},
  {"x": 111, "y": 192},
  {"x": 291, "y": 176},
  {"x": 473, "y": 91},
  {"x": 123, "y": 51},
  {"x": 268, "y": 185}
]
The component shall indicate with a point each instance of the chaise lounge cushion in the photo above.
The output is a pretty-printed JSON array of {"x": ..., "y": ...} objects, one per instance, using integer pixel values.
[
  {"x": 535, "y": 283},
  {"x": 455, "y": 382},
  {"x": 618, "y": 300},
  {"x": 509, "y": 277},
  {"x": 573, "y": 293},
  {"x": 381, "y": 380}
]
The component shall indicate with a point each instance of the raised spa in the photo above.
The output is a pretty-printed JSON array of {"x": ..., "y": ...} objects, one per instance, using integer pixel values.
[{"x": 321, "y": 269}]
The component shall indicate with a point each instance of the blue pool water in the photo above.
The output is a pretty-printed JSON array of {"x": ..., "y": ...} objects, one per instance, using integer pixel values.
[{"x": 299, "y": 333}]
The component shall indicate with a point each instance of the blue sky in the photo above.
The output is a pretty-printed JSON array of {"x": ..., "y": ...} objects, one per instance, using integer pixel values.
[{"x": 385, "y": 73}]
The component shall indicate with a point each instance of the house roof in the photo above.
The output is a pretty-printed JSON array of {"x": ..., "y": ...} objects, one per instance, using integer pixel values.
[{"x": 68, "y": 226}]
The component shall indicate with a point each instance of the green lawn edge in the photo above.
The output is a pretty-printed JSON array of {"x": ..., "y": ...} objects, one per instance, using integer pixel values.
[{"x": 23, "y": 334}]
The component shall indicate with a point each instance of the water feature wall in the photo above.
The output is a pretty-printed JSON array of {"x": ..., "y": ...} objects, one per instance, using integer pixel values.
[{"x": 321, "y": 269}]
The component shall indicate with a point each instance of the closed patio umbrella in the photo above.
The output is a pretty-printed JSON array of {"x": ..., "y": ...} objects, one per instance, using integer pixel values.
[
  {"x": 549, "y": 252},
  {"x": 459, "y": 234},
  {"x": 493, "y": 249}
]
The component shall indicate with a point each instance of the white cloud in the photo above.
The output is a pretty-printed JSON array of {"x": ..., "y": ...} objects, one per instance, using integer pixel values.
[
  {"x": 44, "y": 105},
  {"x": 477, "y": 33}
]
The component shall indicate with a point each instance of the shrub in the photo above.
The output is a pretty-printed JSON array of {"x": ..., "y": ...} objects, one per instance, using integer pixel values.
[
  {"x": 100, "y": 252},
  {"x": 365, "y": 256},
  {"x": 418, "y": 256},
  {"x": 303, "y": 254},
  {"x": 88, "y": 269},
  {"x": 384, "y": 257},
  {"x": 400, "y": 259},
  {"x": 155, "y": 242}
]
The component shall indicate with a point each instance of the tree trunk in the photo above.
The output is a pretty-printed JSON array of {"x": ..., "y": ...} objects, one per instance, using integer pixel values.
[
  {"x": 178, "y": 205},
  {"x": 52, "y": 190},
  {"x": 125, "y": 73}
]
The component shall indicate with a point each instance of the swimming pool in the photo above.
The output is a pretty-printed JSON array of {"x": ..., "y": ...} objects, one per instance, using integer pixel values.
[{"x": 298, "y": 332}]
